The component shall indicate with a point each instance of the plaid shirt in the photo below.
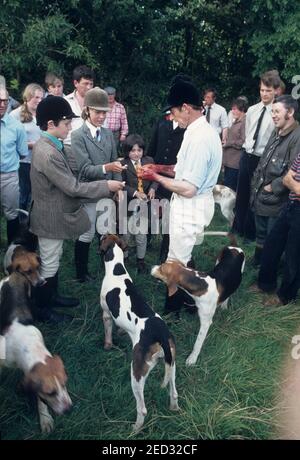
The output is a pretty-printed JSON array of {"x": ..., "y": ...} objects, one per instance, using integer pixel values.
[
  {"x": 116, "y": 119},
  {"x": 296, "y": 168}
]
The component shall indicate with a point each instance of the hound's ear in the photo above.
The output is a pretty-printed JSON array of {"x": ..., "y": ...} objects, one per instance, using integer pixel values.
[
  {"x": 30, "y": 384},
  {"x": 193, "y": 284},
  {"x": 122, "y": 244}
]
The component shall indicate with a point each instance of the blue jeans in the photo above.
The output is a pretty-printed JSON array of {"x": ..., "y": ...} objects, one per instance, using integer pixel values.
[
  {"x": 25, "y": 185},
  {"x": 284, "y": 236},
  {"x": 263, "y": 226}
]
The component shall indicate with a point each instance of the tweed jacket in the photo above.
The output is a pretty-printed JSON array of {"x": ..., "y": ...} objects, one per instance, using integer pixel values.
[
  {"x": 130, "y": 177},
  {"x": 280, "y": 152},
  {"x": 91, "y": 154},
  {"x": 56, "y": 210}
]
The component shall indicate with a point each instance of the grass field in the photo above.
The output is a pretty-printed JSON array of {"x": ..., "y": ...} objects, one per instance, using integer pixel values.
[{"x": 229, "y": 394}]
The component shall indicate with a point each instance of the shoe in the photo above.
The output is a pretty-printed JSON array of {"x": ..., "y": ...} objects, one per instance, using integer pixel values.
[
  {"x": 86, "y": 278},
  {"x": 50, "y": 316},
  {"x": 64, "y": 302}
]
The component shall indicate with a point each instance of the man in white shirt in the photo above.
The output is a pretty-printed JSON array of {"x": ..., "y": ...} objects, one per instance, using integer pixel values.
[
  {"x": 196, "y": 172},
  {"x": 83, "y": 80},
  {"x": 259, "y": 127},
  {"x": 216, "y": 115}
]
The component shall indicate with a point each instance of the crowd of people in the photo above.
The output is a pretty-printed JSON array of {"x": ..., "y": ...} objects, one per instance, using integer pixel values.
[{"x": 61, "y": 154}]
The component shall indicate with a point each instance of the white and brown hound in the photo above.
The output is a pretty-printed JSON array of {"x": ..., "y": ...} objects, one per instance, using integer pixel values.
[
  {"x": 209, "y": 290},
  {"x": 150, "y": 336},
  {"x": 23, "y": 347},
  {"x": 225, "y": 197}
]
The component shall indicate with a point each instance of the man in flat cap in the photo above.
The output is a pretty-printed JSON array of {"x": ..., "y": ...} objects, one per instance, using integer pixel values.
[
  {"x": 116, "y": 119},
  {"x": 196, "y": 172}
]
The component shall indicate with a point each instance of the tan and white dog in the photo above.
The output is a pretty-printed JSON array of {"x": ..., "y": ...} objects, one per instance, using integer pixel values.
[
  {"x": 209, "y": 290},
  {"x": 22, "y": 346}
]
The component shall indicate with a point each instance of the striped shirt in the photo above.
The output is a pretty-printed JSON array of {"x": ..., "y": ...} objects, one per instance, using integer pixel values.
[
  {"x": 296, "y": 168},
  {"x": 116, "y": 119}
]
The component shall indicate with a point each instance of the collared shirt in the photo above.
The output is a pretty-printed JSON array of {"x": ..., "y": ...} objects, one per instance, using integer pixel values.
[
  {"x": 13, "y": 143},
  {"x": 33, "y": 131},
  {"x": 296, "y": 168},
  {"x": 93, "y": 130},
  {"x": 266, "y": 128},
  {"x": 200, "y": 156},
  {"x": 76, "y": 122},
  {"x": 116, "y": 119},
  {"x": 58, "y": 144},
  {"x": 218, "y": 117}
]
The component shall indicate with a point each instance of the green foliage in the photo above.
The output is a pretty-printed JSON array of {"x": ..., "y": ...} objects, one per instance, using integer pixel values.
[{"x": 138, "y": 46}]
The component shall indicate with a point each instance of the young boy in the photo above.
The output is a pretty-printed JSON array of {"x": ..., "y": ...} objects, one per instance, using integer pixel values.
[{"x": 56, "y": 211}]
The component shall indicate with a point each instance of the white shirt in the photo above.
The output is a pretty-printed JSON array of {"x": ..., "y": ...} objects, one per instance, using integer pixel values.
[
  {"x": 76, "y": 122},
  {"x": 266, "y": 128},
  {"x": 218, "y": 117},
  {"x": 200, "y": 156},
  {"x": 33, "y": 131}
]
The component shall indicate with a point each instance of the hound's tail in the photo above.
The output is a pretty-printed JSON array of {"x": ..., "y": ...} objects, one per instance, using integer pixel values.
[
  {"x": 230, "y": 235},
  {"x": 168, "y": 361}
]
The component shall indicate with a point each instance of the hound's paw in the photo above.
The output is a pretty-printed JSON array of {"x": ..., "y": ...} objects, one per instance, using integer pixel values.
[
  {"x": 47, "y": 423},
  {"x": 107, "y": 346},
  {"x": 136, "y": 427},
  {"x": 191, "y": 360},
  {"x": 174, "y": 406}
]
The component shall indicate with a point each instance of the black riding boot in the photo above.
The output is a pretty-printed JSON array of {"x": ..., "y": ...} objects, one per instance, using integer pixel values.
[
  {"x": 256, "y": 260},
  {"x": 44, "y": 297},
  {"x": 164, "y": 248},
  {"x": 81, "y": 261},
  {"x": 60, "y": 300},
  {"x": 173, "y": 303},
  {"x": 12, "y": 229}
]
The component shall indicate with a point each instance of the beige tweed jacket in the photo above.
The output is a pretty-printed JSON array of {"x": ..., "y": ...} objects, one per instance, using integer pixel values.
[{"x": 56, "y": 210}]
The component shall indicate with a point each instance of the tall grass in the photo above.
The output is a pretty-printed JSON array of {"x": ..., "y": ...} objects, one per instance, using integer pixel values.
[{"x": 229, "y": 394}]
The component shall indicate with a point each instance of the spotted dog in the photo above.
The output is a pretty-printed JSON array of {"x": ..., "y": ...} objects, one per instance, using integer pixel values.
[
  {"x": 149, "y": 334},
  {"x": 24, "y": 349},
  {"x": 209, "y": 290}
]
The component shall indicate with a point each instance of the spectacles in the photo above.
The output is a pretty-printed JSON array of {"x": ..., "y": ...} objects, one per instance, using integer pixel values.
[{"x": 4, "y": 101}]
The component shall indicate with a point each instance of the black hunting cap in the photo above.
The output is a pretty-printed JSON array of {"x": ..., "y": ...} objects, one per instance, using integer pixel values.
[
  {"x": 182, "y": 91},
  {"x": 53, "y": 108}
]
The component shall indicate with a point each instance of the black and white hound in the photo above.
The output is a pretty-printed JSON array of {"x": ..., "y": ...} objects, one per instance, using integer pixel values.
[
  {"x": 150, "y": 336},
  {"x": 209, "y": 290}
]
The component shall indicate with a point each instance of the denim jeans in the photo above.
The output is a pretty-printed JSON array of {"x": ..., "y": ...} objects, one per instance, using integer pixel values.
[
  {"x": 263, "y": 226},
  {"x": 284, "y": 236}
]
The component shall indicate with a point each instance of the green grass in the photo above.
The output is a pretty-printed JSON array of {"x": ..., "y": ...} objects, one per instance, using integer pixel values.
[{"x": 229, "y": 394}]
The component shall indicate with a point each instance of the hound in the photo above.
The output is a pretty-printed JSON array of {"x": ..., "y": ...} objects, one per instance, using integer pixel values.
[
  {"x": 225, "y": 197},
  {"x": 149, "y": 334},
  {"x": 209, "y": 290},
  {"x": 23, "y": 347}
]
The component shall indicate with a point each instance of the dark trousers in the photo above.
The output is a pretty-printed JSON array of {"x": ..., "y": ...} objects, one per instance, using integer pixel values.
[
  {"x": 25, "y": 185},
  {"x": 244, "y": 223},
  {"x": 230, "y": 177},
  {"x": 284, "y": 236}
]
